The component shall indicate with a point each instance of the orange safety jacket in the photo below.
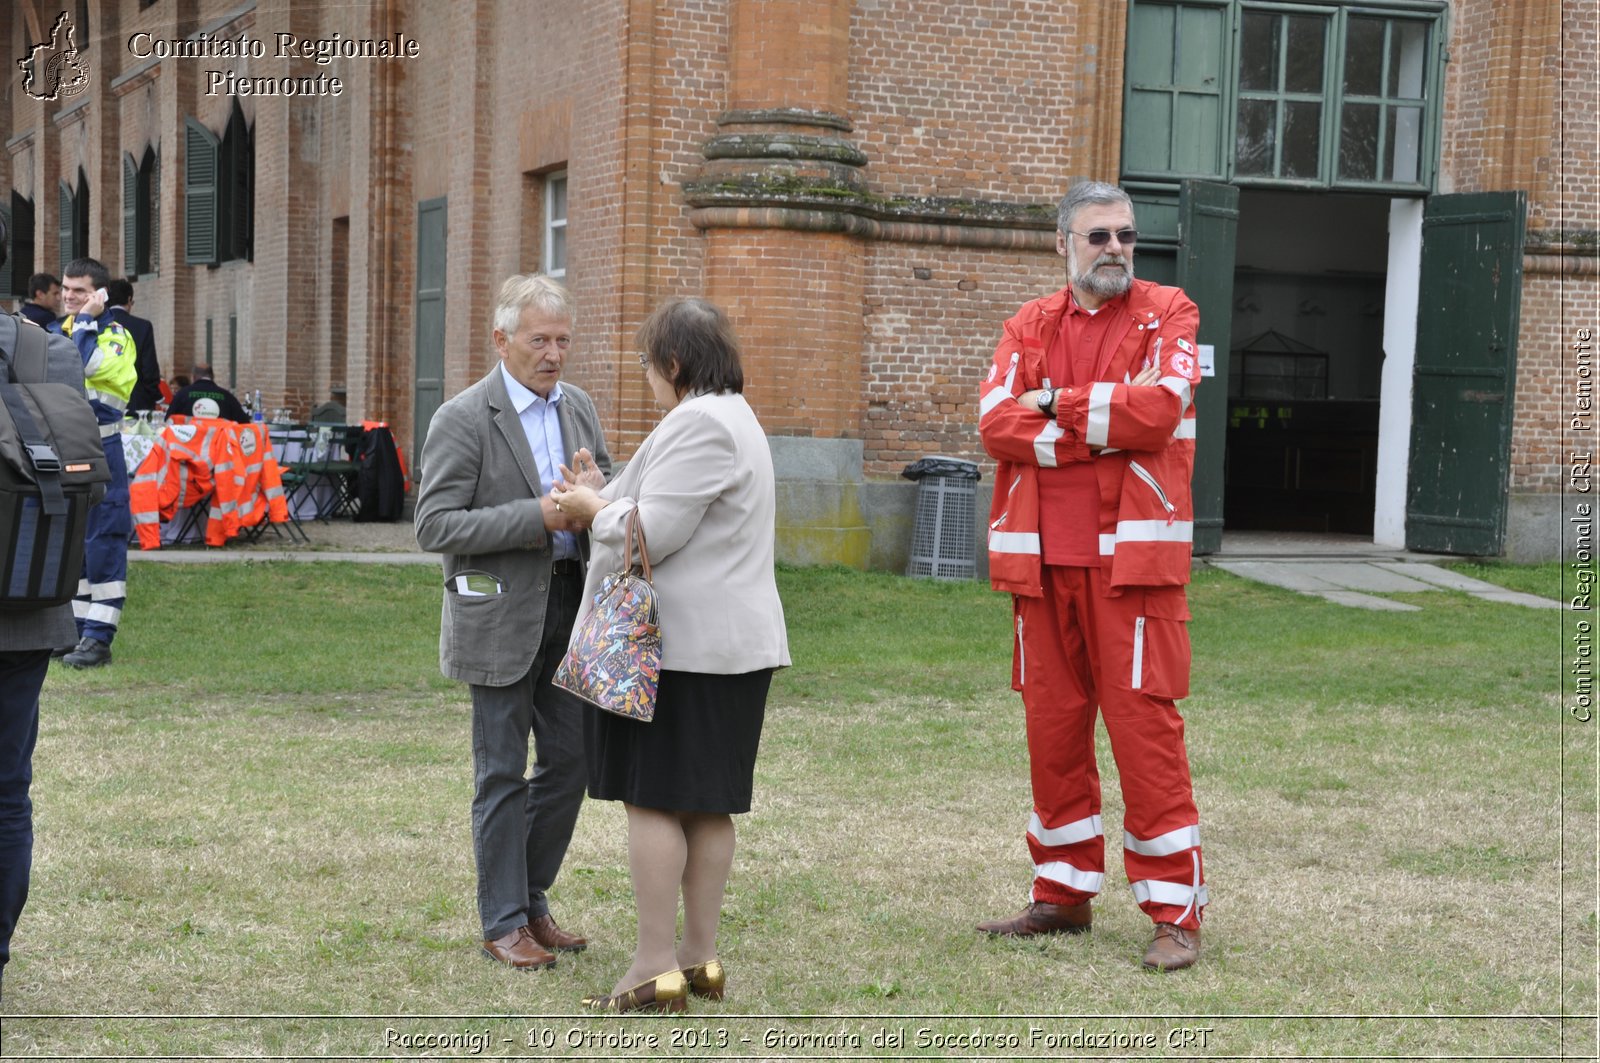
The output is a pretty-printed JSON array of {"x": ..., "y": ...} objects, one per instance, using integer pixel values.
[
  {"x": 1141, "y": 439},
  {"x": 261, "y": 487},
  {"x": 171, "y": 476},
  {"x": 191, "y": 460}
]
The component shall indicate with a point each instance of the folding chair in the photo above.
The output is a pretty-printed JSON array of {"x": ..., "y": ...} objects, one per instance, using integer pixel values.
[{"x": 335, "y": 468}]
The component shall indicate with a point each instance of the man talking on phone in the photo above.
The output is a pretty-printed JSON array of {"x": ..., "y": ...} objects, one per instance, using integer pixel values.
[{"x": 109, "y": 373}]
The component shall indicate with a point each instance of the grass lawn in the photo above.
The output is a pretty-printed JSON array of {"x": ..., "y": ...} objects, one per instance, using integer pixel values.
[{"x": 253, "y": 839}]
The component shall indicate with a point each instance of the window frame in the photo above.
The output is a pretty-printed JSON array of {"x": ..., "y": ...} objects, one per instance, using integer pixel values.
[
  {"x": 550, "y": 223},
  {"x": 1433, "y": 15}
]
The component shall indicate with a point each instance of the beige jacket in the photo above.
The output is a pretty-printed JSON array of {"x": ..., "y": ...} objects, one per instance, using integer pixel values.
[{"x": 703, "y": 485}]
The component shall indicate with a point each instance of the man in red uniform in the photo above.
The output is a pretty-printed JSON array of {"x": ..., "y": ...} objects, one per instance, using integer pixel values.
[{"x": 1088, "y": 409}]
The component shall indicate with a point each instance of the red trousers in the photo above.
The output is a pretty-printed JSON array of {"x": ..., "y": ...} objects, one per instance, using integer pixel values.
[{"x": 1128, "y": 657}]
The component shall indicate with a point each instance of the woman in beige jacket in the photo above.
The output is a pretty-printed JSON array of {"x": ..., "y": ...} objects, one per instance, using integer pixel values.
[{"x": 702, "y": 484}]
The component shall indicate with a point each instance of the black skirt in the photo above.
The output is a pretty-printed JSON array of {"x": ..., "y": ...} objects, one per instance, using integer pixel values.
[{"x": 697, "y": 755}]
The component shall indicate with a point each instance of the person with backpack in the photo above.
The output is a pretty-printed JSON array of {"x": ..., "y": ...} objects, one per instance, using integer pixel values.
[
  {"x": 110, "y": 370},
  {"x": 27, "y": 635}
]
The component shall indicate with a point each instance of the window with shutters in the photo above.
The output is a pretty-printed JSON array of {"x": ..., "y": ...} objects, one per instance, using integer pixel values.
[
  {"x": 73, "y": 221},
  {"x": 1289, "y": 93},
  {"x": 140, "y": 214},
  {"x": 20, "y": 259},
  {"x": 219, "y": 192}
]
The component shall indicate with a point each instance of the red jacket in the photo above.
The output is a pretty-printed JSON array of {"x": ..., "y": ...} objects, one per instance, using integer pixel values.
[{"x": 1141, "y": 439}]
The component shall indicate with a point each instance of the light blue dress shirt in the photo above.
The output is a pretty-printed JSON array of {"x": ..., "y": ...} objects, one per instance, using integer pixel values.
[{"x": 541, "y": 423}]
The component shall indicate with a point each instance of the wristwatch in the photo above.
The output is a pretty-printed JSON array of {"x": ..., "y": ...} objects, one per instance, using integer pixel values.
[{"x": 1047, "y": 402}]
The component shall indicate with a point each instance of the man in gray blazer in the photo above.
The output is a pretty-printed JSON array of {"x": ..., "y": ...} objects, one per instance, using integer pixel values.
[
  {"x": 513, "y": 578},
  {"x": 26, "y": 638}
]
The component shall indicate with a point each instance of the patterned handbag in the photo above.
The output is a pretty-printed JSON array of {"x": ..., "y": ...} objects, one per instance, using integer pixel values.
[{"x": 614, "y": 661}]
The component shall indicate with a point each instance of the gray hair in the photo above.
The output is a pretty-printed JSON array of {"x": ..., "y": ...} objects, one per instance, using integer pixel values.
[
  {"x": 1088, "y": 193},
  {"x": 520, "y": 292}
]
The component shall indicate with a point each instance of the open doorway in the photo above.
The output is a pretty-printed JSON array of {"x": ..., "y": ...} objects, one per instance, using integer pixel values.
[{"x": 1306, "y": 362}]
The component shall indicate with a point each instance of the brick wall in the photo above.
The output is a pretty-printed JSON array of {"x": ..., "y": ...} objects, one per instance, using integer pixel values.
[{"x": 933, "y": 317}]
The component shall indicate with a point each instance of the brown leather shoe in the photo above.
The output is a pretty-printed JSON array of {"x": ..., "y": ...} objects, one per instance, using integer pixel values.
[
  {"x": 552, "y": 937},
  {"x": 1041, "y": 918},
  {"x": 1173, "y": 948},
  {"x": 518, "y": 949}
]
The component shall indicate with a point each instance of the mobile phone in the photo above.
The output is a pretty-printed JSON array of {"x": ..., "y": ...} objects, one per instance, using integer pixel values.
[{"x": 102, "y": 295}]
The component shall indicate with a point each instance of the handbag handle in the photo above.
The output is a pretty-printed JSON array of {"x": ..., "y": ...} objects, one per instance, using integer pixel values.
[{"x": 635, "y": 529}]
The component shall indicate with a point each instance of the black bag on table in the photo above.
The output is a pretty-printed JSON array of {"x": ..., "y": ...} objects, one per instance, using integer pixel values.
[{"x": 52, "y": 472}]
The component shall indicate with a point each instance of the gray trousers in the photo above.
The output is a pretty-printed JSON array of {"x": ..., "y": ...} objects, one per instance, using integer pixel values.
[{"x": 521, "y": 824}]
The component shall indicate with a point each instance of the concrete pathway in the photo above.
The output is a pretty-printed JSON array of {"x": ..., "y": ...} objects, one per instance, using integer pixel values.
[{"x": 1348, "y": 570}]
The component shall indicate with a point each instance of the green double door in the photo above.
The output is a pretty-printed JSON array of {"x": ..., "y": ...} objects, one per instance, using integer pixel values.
[{"x": 1469, "y": 297}]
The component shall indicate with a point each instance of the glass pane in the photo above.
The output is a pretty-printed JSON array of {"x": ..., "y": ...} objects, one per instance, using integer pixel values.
[
  {"x": 558, "y": 198},
  {"x": 1303, "y": 66},
  {"x": 1363, "y": 57},
  {"x": 1258, "y": 51},
  {"x": 1254, "y": 140},
  {"x": 1408, "y": 49},
  {"x": 558, "y": 252},
  {"x": 1358, "y": 142},
  {"x": 1405, "y": 144},
  {"x": 1302, "y": 139}
]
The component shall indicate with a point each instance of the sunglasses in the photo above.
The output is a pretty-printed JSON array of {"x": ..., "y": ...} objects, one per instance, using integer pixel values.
[{"x": 1102, "y": 237}]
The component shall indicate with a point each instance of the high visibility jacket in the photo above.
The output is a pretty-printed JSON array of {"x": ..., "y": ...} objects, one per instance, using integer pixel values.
[
  {"x": 261, "y": 487},
  {"x": 110, "y": 367},
  {"x": 189, "y": 463},
  {"x": 1140, "y": 439}
]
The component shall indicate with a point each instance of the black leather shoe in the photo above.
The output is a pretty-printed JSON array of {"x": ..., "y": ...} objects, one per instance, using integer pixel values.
[{"x": 91, "y": 653}]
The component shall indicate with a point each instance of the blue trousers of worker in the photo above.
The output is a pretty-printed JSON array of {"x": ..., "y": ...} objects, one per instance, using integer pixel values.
[
  {"x": 104, "y": 586},
  {"x": 21, "y": 678}
]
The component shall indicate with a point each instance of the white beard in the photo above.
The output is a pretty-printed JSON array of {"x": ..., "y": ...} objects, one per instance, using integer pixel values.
[{"x": 1102, "y": 284}]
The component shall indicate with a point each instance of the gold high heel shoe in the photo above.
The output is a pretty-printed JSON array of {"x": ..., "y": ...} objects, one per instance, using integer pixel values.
[
  {"x": 664, "y": 992},
  {"x": 708, "y": 980}
]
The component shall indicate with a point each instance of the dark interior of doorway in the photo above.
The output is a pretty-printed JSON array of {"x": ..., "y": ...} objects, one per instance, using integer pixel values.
[{"x": 1304, "y": 372}]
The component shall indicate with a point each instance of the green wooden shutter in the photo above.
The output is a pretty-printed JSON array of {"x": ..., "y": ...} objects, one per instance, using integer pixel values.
[
  {"x": 428, "y": 378},
  {"x": 130, "y": 217},
  {"x": 200, "y": 166},
  {"x": 64, "y": 229},
  {"x": 1174, "y": 116},
  {"x": 1208, "y": 223},
  {"x": 152, "y": 197},
  {"x": 1468, "y": 311}
]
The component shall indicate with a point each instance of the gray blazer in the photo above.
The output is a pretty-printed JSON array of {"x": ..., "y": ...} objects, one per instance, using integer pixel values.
[
  {"x": 478, "y": 505},
  {"x": 48, "y": 628},
  {"x": 703, "y": 485}
]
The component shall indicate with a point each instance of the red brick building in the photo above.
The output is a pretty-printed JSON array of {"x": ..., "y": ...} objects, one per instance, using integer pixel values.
[{"x": 312, "y": 195}]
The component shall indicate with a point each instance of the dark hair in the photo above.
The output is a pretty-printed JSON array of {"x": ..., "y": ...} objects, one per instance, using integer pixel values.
[
  {"x": 698, "y": 335},
  {"x": 42, "y": 282},
  {"x": 119, "y": 292},
  {"x": 92, "y": 268}
]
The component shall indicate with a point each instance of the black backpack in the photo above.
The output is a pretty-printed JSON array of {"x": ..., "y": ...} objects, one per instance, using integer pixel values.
[{"x": 52, "y": 472}]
